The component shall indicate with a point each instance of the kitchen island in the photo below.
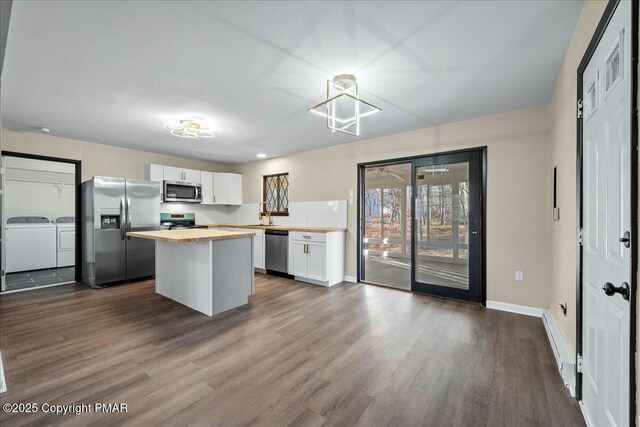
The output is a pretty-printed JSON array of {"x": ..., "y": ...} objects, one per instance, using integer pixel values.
[{"x": 209, "y": 271}]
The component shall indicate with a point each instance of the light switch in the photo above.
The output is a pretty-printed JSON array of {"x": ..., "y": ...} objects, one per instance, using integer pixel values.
[{"x": 519, "y": 275}]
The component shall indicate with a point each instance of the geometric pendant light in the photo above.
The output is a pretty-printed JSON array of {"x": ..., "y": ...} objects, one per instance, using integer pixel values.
[{"x": 343, "y": 107}]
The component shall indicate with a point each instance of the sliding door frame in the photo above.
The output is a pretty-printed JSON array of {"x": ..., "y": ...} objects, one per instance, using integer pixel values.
[
  {"x": 78, "y": 207},
  {"x": 361, "y": 167}
]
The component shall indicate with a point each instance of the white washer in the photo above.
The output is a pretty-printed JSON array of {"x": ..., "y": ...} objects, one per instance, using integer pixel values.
[
  {"x": 31, "y": 243},
  {"x": 66, "y": 248}
]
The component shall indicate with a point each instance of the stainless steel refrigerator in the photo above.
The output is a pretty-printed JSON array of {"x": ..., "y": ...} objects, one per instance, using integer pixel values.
[{"x": 110, "y": 208}]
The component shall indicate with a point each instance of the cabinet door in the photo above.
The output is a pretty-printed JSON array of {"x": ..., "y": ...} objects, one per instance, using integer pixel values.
[
  {"x": 191, "y": 175},
  {"x": 173, "y": 174},
  {"x": 258, "y": 252},
  {"x": 156, "y": 174},
  {"x": 220, "y": 188},
  {"x": 297, "y": 258},
  {"x": 317, "y": 263},
  {"x": 206, "y": 179},
  {"x": 235, "y": 189}
]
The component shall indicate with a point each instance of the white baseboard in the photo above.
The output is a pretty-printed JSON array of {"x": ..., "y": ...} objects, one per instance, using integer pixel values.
[
  {"x": 514, "y": 308},
  {"x": 584, "y": 415},
  {"x": 3, "y": 381},
  {"x": 564, "y": 359},
  {"x": 350, "y": 279}
]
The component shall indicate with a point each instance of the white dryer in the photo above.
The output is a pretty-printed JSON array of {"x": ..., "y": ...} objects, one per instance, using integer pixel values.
[
  {"x": 66, "y": 237},
  {"x": 31, "y": 243}
]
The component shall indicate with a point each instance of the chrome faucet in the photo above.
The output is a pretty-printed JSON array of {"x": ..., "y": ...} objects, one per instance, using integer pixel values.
[{"x": 261, "y": 214}]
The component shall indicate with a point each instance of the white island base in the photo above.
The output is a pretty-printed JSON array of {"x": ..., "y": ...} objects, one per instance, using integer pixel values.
[{"x": 209, "y": 276}]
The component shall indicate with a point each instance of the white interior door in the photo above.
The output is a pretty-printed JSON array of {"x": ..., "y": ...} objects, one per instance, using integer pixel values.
[{"x": 606, "y": 274}]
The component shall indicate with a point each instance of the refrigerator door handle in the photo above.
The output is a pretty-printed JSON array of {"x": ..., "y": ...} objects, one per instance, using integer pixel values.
[
  {"x": 122, "y": 219},
  {"x": 128, "y": 216}
]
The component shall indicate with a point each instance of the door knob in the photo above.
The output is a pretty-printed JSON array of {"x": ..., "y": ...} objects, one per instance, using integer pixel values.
[
  {"x": 611, "y": 290},
  {"x": 626, "y": 239}
]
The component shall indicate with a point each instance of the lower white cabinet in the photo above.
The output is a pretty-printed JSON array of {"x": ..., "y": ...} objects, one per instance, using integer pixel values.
[{"x": 317, "y": 258}]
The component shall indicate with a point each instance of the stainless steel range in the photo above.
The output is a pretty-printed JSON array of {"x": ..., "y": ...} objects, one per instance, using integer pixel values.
[{"x": 178, "y": 221}]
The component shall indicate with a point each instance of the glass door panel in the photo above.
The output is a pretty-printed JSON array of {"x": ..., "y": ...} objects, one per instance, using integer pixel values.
[
  {"x": 442, "y": 208},
  {"x": 386, "y": 250},
  {"x": 447, "y": 225}
]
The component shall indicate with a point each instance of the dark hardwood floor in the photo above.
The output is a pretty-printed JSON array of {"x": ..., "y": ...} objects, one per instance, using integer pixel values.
[{"x": 298, "y": 355}]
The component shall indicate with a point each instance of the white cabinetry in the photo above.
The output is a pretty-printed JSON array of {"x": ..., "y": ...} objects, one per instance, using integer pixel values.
[
  {"x": 217, "y": 188},
  {"x": 235, "y": 189},
  {"x": 317, "y": 258},
  {"x": 220, "y": 188},
  {"x": 227, "y": 189},
  {"x": 206, "y": 179},
  {"x": 181, "y": 175}
]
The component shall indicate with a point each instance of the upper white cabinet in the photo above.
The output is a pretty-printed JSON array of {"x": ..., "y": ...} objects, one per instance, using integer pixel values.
[
  {"x": 217, "y": 188},
  {"x": 235, "y": 189},
  {"x": 220, "y": 188},
  {"x": 227, "y": 189},
  {"x": 206, "y": 179},
  {"x": 181, "y": 174}
]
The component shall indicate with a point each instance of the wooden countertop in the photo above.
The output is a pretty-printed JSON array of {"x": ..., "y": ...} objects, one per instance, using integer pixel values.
[
  {"x": 280, "y": 227},
  {"x": 189, "y": 235}
]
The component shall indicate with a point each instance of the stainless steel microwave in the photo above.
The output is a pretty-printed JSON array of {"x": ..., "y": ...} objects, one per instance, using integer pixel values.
[{"x": 185, "y": 192}]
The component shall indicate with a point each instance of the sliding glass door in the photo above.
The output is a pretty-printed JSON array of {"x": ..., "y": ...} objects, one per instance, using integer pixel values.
[
  {"x": 447, "y": 226},
  {"x": 421, "y": 224}
]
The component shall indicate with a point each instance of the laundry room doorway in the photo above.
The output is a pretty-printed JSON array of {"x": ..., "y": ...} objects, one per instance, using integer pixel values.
[{"x": 40, "y": 217}]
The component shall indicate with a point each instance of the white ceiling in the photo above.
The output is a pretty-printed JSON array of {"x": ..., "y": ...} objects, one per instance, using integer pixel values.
[{"x": 114, "y": 72}]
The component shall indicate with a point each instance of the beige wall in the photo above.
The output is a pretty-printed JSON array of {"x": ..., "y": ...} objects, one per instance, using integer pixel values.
[
  {"x": 517, "y": 200},
  {"x": 562, "y": 153},
  {"x": 97, "y": 159}
]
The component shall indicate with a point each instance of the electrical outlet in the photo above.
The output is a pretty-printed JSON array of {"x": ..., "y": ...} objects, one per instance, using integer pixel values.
[{"x": 519, "y": 275}]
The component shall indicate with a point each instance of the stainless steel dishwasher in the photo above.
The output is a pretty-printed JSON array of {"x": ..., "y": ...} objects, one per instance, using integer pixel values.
[{"x": 277, "y": 251}]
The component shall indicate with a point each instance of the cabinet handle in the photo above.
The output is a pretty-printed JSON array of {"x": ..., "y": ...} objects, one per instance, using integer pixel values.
[{"x": 307, "y": 237}]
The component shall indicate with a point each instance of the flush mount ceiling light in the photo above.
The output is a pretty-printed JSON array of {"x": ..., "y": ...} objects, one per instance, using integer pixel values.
[
  {"x": 189, "y": 129},
  {"x": 343, "y": 107}
]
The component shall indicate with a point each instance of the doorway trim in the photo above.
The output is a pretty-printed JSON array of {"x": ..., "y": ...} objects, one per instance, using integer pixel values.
[
  {"x": 78, "y": 210},
  {"x": 593, "y": 44},
  {"x": 360, "y": 210}
]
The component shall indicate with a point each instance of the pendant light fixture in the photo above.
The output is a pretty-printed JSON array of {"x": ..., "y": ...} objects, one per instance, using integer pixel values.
[{"x": 343, "y": 107}]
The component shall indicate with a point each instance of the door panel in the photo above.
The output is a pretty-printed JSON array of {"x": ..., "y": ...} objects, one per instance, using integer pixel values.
[
  {"x": 172, "y": 174},
  {"x": 143, "y": 203},
  {"x": 143, "y": 214},
  {"x": 447, "y": 225},
  {"x": 317, "y": 261},
  {"x": 109, "y": 203},
  {"x": 192, "y": 175},
  {"x": 220, "y": 188},
  {"x": 110, "y": 256},
  {"x": 298, "y": 259},
  {"x": 606, "y": 206},
  {"x": 141, "y": 256}
]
